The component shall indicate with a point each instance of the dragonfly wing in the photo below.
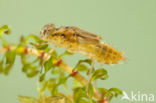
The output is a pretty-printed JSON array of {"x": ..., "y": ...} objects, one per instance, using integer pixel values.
[{"x": 85, "y": 36}]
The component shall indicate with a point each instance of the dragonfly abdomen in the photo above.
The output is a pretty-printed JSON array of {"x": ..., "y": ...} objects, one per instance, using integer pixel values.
[
  {"x": 109, "y": 55},
  {"x": 102, "y": 53}
]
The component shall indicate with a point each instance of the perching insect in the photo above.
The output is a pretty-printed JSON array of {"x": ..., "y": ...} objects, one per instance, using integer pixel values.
[{"x": 76, "y": 40}]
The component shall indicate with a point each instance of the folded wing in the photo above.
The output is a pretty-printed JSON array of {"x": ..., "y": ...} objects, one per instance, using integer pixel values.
[{"x": 85, "y": 36}]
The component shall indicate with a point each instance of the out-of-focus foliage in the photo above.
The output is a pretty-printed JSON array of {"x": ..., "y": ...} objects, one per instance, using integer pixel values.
[
  {"x": 25, "y": 99},
  {"x": 43, "y": 99},
  {"x": 36, "y": 66}
]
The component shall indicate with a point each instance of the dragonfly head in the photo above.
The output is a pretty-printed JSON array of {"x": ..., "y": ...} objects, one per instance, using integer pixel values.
[{"x": 47, "y": 30}]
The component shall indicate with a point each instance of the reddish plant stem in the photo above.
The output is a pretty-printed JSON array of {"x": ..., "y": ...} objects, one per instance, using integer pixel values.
[{"x": 59, "y": 63}]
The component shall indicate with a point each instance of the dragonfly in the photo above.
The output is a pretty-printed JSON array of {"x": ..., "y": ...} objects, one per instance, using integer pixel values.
[{"x": 76, "y": 40}]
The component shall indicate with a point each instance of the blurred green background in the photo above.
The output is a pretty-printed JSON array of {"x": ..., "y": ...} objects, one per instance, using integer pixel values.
[{"x": 129, "y": 25}]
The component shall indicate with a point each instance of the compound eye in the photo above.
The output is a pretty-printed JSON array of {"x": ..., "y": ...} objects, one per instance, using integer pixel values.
[{"x": 44, "y": 32}]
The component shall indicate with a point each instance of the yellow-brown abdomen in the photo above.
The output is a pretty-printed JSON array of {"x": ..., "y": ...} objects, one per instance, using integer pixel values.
[
  {"x": 109, "y": 55},
  {"x": 102, "y": 53}
]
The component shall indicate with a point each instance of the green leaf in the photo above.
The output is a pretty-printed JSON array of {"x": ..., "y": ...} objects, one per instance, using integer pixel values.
[
  {"x": 116, "y": 91},
  {"x": 56, "y": 71},
  {"x": 7, "y": 69},
  {"x": 44, "y": 86},
  {"x": 81, "y": 67},
  {"x": 65, "y": 53},
  {"x": 54, "y": 91},
  {"x": 54, "y": 55},
  {"x": 42, "y": 47},
  {"x": 48, "y": 65},
  {"x": 5, "y": 29},
  {"x": 34, "y": 37},
  {"x": 29, "y": 69},
  {"x": 103, "y": 91},
  {"x": 42, "y": 77},
  {"x": 51, "y": 99},
  {"x": 22, "y": 39},
  {"x": 77, "y": 83},
  {"x": 51, "y": 83},
  {"x": 10, "y": 57},
  {"x": 1, "y": 66},
  {"x": 3, "y": 42},
  {"x": 62, "y": 80},
  {"x": 100, "y": 74},
  {"x": 82, "y": 101},
  {"x": 52, "y": 86},
  {"x": 79, "y": 93},
  {"x": 88, "y": 61},
  {"x": 68, "y": 100},
  {"x": 25, "y": 67},
  {"x": 109, "y": 95},
  {"x": 25, "y": 99},
  {"x": 90, "y": 90},
  {"x": 32, "y": 73}
]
